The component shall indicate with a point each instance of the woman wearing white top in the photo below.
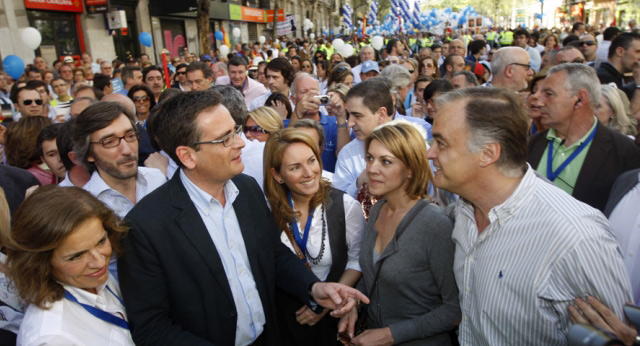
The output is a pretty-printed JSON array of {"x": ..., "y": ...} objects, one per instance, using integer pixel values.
[
  {"x": 58, "y": 253},
  {"x": 321, "y": 225}
]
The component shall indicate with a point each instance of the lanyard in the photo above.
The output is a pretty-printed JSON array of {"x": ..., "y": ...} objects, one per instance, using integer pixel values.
[
  {"x": 551, "y": 174},
  {"x": 103, "y": 315},
  {"x": 302, "y": 243}
]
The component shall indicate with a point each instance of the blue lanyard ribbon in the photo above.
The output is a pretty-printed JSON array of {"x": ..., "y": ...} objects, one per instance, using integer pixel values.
[
  {"x": 551, "y": 174},
  {"x": 103, "y": 315},
  {"x": 302, "y": 243}
]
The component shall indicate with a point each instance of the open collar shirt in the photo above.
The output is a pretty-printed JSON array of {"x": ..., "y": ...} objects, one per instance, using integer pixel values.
[{"x": 541, "y": 250}]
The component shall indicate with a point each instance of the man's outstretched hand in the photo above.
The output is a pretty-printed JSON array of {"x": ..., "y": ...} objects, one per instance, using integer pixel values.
[{"x": 337, "y": 297}]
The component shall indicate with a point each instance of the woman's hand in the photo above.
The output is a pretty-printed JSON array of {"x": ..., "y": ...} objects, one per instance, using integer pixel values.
[
  {"x": 280, "y": 108},
  {"x": 347, "y": 323},
  {"x": 374, "y": 337},
  {"x": 305, "y": 316}
]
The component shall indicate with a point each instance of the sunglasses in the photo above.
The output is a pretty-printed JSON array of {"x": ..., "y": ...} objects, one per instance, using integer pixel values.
[
  {"x": 181, "y": 73},
  {"x": 140, "y": 99},
  {"x": 411, "y": 71},
  {"x": 588, "y": 43},
  {"x": 29, "y": 102},
  {"x": 254, "y": 129}
]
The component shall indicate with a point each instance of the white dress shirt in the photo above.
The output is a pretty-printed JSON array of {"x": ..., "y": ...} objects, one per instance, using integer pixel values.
[
  {"x": 542, "y": 249},
  {"x": 66, "y": 182},
  {"x": 354, "y": 226},
  {"x": 252, "y": 158},
  {"x": 349, "y": 166},
  {"x": 148, "y": 179},
  {"x": 68, "y": 323},
  {"x": 625, "y": 220},
  {"x": 222, "y": 225}
]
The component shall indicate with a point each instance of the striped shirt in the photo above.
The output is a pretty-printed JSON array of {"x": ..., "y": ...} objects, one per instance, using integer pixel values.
[{"x": 542, "y": 249}]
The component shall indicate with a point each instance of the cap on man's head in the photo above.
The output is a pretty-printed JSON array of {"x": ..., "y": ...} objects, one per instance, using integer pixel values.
[
  {"x": 67, "y": 60},
  {"x": 254, "y": 64},
  {"x": 206, "y": 57},
  {"x": 370, "y": 65}
]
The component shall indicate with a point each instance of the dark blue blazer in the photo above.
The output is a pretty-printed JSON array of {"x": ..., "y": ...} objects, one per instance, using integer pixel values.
[{"x": 172, "y": 279}]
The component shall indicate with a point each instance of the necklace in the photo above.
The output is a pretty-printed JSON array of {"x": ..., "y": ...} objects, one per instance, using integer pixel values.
[{"x": 311, "y": 259}]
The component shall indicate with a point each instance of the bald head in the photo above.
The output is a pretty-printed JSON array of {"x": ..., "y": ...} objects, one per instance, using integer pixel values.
[
  {"x": 506, "y": 56},
  {"x": 456, "y": 47},
  {"x": 121, "y": 99},
  {"x": 568, "y": 55}
]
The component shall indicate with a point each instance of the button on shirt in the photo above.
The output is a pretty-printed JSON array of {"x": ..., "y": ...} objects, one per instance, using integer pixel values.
[
  {"x": 222, "y": 225},
  {"x": 68, "y": 323},
  {"x": 541, "y": 250}
]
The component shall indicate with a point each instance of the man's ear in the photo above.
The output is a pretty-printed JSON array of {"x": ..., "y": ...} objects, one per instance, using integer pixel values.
[
  {"x": 490, "y": 154},
  {"x": 72, "y": 156},
  {"x": 186, "y": 155},
  {"x": 382, "y": 114}
]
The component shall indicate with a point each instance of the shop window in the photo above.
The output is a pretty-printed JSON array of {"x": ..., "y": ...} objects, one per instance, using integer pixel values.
[{"x": 58, "y": 29}]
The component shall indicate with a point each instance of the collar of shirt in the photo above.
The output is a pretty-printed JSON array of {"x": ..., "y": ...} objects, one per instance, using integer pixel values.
[
  {"x": 551, "y": 135},
  {"x": 86, "y": 297},
  {"x": 202, "y": 200},
  {"x": 96, "y": 185},
  {"x": 502, "y": 212}
]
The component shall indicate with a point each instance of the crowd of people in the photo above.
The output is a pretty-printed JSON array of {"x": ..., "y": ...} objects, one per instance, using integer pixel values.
[{"x": 465, "y": 188}]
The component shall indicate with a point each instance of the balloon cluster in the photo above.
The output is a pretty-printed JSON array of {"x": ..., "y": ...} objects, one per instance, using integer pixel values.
[
  {"x": 346, "y": 16},
  {"x": 403, "y": 18},
  {"x": 307, "y": 24},
  {"x": 373, "y": 12}
]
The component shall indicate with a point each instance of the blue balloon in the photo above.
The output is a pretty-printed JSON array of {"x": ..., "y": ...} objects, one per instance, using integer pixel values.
[
  {"x": 14, "y": 66},
  {"x": 219, "y": 35},
  {"x": 145, "y": 39}
]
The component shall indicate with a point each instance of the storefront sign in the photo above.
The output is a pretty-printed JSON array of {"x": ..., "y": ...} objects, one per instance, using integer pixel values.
[
  {"x": 117, "y": 20},
  {"x": 97, "y": 6},
  {"x": 54, "y": 5},
  {"x": 251, "y": 14}
]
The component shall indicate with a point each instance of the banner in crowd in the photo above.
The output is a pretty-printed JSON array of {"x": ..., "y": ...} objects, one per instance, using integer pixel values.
[{"x": 287, "y": 26}]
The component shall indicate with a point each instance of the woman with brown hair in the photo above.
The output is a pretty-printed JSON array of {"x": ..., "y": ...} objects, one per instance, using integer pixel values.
[
  {"x": 58, "y": 252},
  {"x": 301, "y": 201},
  {"x": 340, "y": 73},
  {"x": 22, "y": 150},
  {"x": 428, "y": 66}
]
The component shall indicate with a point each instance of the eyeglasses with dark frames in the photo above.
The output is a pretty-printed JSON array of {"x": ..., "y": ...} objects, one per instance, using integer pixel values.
[
  {"x": 227, "y": 140},
  {"x": 588, "y": 43},
  {"x": 39, "y": 102},
  {"x": 112, "y": 142},
  {"x": 527, "y": 66}
]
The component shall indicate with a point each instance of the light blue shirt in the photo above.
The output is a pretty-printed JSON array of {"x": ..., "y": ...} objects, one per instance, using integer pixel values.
[{"x": 222, "y": 225}]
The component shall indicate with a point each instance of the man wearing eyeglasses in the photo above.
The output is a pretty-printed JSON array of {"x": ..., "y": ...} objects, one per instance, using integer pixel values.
[
  {"x": 521, "y": 39},
  {"x": 181, "y": 74},
  {"x": 203, "y": 257},
  {"x": 510, "y": 69},
  {"x": 588, "y": 47},
  {"x": 105, "y": 139},
  {"x": 29, "y": 103}
]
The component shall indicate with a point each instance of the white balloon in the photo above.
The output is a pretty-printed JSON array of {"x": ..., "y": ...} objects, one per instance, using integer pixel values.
[
  {"x": 338, "y": 43},
  {"x": 236, "y": 32},
  {"x": 312, "y": 36},
  {"x": 262, "y": 39},
  {"x": 31, "y": 38},
  {"x": 346, "y": 50},
  {"x": 224, "y": 50},
  {"x": 377, "y": 42}
]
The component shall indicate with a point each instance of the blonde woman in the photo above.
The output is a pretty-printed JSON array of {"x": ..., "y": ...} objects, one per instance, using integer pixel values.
[
  {"x": 614, "y": 111},
  {"x": 261, "y": 122}
]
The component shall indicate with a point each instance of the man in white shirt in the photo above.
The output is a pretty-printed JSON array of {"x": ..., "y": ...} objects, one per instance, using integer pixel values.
[
  {"x": 521, "y": 39},
  {"x": 105, "y": 139},
  {"x": 525, "y": 250},
  {"x": 366, "y": 54},
  {"x": 369, "y": 104}
]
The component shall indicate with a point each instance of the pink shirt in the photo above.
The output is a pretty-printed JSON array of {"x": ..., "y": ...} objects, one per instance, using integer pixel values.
[{"x": 251, "y": 90}]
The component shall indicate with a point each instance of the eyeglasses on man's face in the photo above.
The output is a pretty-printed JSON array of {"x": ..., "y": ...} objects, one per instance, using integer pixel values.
[
  {"x": 112, "y": 142},
  {"x": 227, "y": 140}
]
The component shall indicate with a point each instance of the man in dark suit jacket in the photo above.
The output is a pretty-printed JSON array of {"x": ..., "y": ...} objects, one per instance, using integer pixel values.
[
  {"x": 15, "y": 182},
  {"x": 178, "y": 284},
  {"x": 570, "y": 117}
]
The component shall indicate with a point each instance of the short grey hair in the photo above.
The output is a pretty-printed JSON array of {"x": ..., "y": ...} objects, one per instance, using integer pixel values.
[
  {"x": 502, "y": 58},
  {"x": 221, "y": 65},
  {"x": 397, "y": 75},
  {"x": 299, "y": 76},
  {"x": 233, "y": 100},
  {"x": 580, "y": 76},
  {"x": 469, "y": 76}
]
